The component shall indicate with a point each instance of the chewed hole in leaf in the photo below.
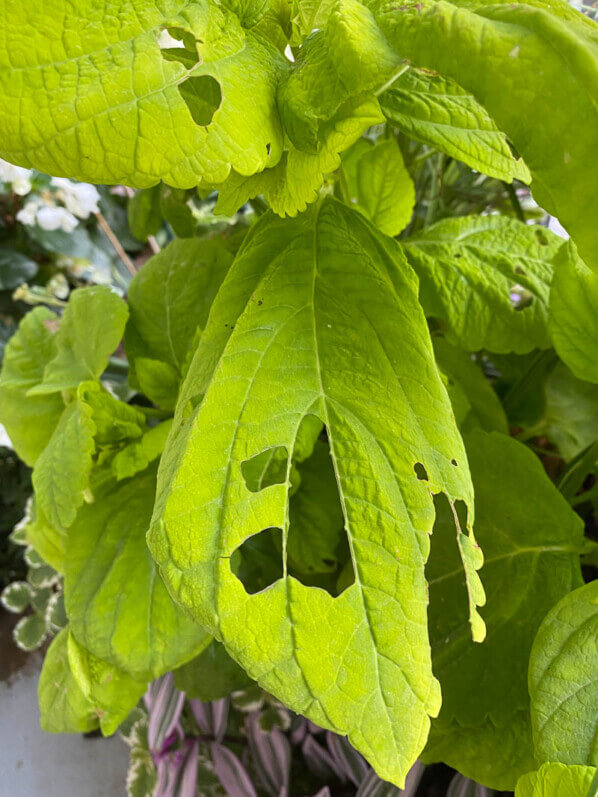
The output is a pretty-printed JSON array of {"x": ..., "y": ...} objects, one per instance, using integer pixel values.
[
  {"x": 421, "y": 472},
  {"x": 203, "y": 97},
  {"x": 257, "y": 563},
  {"x": 266, "y": 468},
  {"x": 178, "y": 45},
  {"x": 520, "y": 297}
]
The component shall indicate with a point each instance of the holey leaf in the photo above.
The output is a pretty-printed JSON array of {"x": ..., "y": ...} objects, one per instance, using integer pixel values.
[
  {"x": 326, "y": 323},
  {"x": 87, "y": 92}
]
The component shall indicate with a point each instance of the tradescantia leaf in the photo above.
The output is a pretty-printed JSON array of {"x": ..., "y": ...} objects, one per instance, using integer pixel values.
[
  {"x": 573, "y": 319},
  {"x": 90, "y": 330},
  {"x": 299, "y": 348},
  {"x": 563, "y": 680},
  {"x": 488, "y": 277},
  {"x": 554, "y": 780},
  {"x": 381, "y": 187},
  {"x": 532, "y": 541},
  {"x": 493, "y": 50},
  {"x": 105, "y": 104},
  {"x": 29, "y": 421},
  {"x": 63, "y": 706},
  {"x": 117, "y": 604},
  {"x": 437, "y": 111}
]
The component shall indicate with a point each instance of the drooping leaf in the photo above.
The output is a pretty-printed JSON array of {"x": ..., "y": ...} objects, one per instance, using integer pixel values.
[
  {"x": 117, "y": 604},
  {"x": 171, "y": 297},
  {"x": 61, "y": 473},
  {"x": 90, "y": 330},
  {"x": 382, "y": 188},
  {"x": 112, "y": 692},
  {"x": 532, "y": 541},
  {"x": 298, "y": 347},
  {"x": 573, "y": 317},
  {"x": 47, "y": 540},
  {"x": 144, "y": 212},
  {"x": 29, "y": 421},
  {"x": 135, "y": 457},
  {"x": 557, "y": 780},
  {"x": 211, "y": 676},
  {"x": 473, "y": 398},
  {"x": 493, "y": 51},
  {"x": 488, "y": 277},
  {"x": 133, "y": 102},
  {"x": 437, "y": 111},
  {"x": 563, "y": 680},
  {"x": 63, "y": 706}
]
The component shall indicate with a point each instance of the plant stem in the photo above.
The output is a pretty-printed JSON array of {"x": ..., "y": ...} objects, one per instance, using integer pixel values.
[
  {"x": 514, "y": 200},
  {"x": 118, "y": 247}
]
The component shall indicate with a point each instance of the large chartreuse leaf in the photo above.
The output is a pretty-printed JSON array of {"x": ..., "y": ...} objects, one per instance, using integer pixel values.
[
  {"x": 29, "y": 421},
  {"x": 326, "y": 322},
  {"x": 563, "y": 680},
  {"x": 489, "y": 278},
  {"x": 88, "y": 93},
  {"x": 437, "y": 111},
  {"x": 90, "y": 330},
  {"x": 118, "y": 606},
  {"x": 573, "y": 318},
  {"x": 557, "y": 780},
  {"x": 493, "y": 50}
]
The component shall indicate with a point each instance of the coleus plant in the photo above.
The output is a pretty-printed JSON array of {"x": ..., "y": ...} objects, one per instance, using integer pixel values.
[{"x": 296, "y": 435}]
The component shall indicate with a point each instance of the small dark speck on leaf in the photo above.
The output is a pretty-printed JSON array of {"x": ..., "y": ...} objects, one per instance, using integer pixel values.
[
  {"x": 260, "y": 302},
  {"x": 454, "y": 462}
]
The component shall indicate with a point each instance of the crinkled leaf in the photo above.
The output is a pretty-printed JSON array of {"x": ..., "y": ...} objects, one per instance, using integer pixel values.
[
  {"x": 90, "y": 94},
  {"x": 212, "y": 675},
  {"x": 301, "y": 348},
  {"x": 493, "y": 50},
  {"x": 61, "y": 473},
  {"x": 563, "y": 680},
  {"x": 488, "y": 277},
  {"x": 90, "y": 330},
  {"x": 117, "y": 603},
  {"x": 171, "y": 297},
  {"x": 532, "y": 541},
  {"x": 29, "y": 422},
  {"x": 437, "y": 111},
  {"x": 557, "y": 780},
  {"x": 382, "y": 188},
  {"x": 573, "y": 314},
  {"x": 63, "y": 706},
  {"x": 114, "y": 420},
  {"x": 112, "y": 692},
  {"x": 139, "y": 454}
]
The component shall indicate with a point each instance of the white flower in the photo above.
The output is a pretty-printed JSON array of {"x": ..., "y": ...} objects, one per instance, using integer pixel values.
[
  {"x": 49, "y": 218},
  {"x": 16, "y": 176},
  {"x": 28, "y": 213},
  {"x": 80, "y": 199}
]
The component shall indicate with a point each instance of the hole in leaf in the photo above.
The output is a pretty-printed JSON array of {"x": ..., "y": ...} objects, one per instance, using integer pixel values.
[
  {"x": 454, "y": 462},
  {"x": 264, "y": 469},
  {"x": 541, "y": 236},
  {"x": 257, "y": 563},
  {"x": 421, "y": 472},
  {"x": 202, "y": 96},
  {"x": 178, "y": 44}
]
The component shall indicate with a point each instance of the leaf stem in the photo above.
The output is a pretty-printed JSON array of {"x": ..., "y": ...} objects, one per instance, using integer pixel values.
[{"x": 118, "y": 247}]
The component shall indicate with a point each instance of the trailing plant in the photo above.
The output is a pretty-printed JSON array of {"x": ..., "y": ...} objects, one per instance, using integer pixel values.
[{"x": 373, "y": 346}]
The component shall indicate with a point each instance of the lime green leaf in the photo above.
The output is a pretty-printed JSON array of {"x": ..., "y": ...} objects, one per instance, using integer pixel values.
[
  {"x": 138, "y": 455},
  {"x": 144, "y": 213},
  {"x": 557, "y": 780},
  {"x": 563, "y": 680},
  {"x": 47, "y": 540},
  {"x": 437, "y": 111},
  {"x": 117, "y": 604},
  {"x": 114, "y": 420},
  {"x": 158, "y": 380},
  {"x": 532, "y": 541},
  {"x": 309, "y": 15},
  {"x": 326, "y": 322},
  {"x": 573, "y": 316},
  {"x": 112, "y": 693},
  {"x": 473, "y": 399},
  {"x": 493, "y": 756},
  {"x": 488, "y": 277},
  {"x": 212, "y": 675},
  {"x": 294, "y": 182},
  {"x": 171, "y": 296},
  {"x": 570, "y": 421},
  {"x": 90, "y": 330},
  {"x": 61, "y": 473},
  {"x": 493, "y": 50},
  {"x": 63, "y": 706},
  {"x": 382, "y": 189},
  {"x": 123, "y": 116},
  {"x": 29, "y": 422}
]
